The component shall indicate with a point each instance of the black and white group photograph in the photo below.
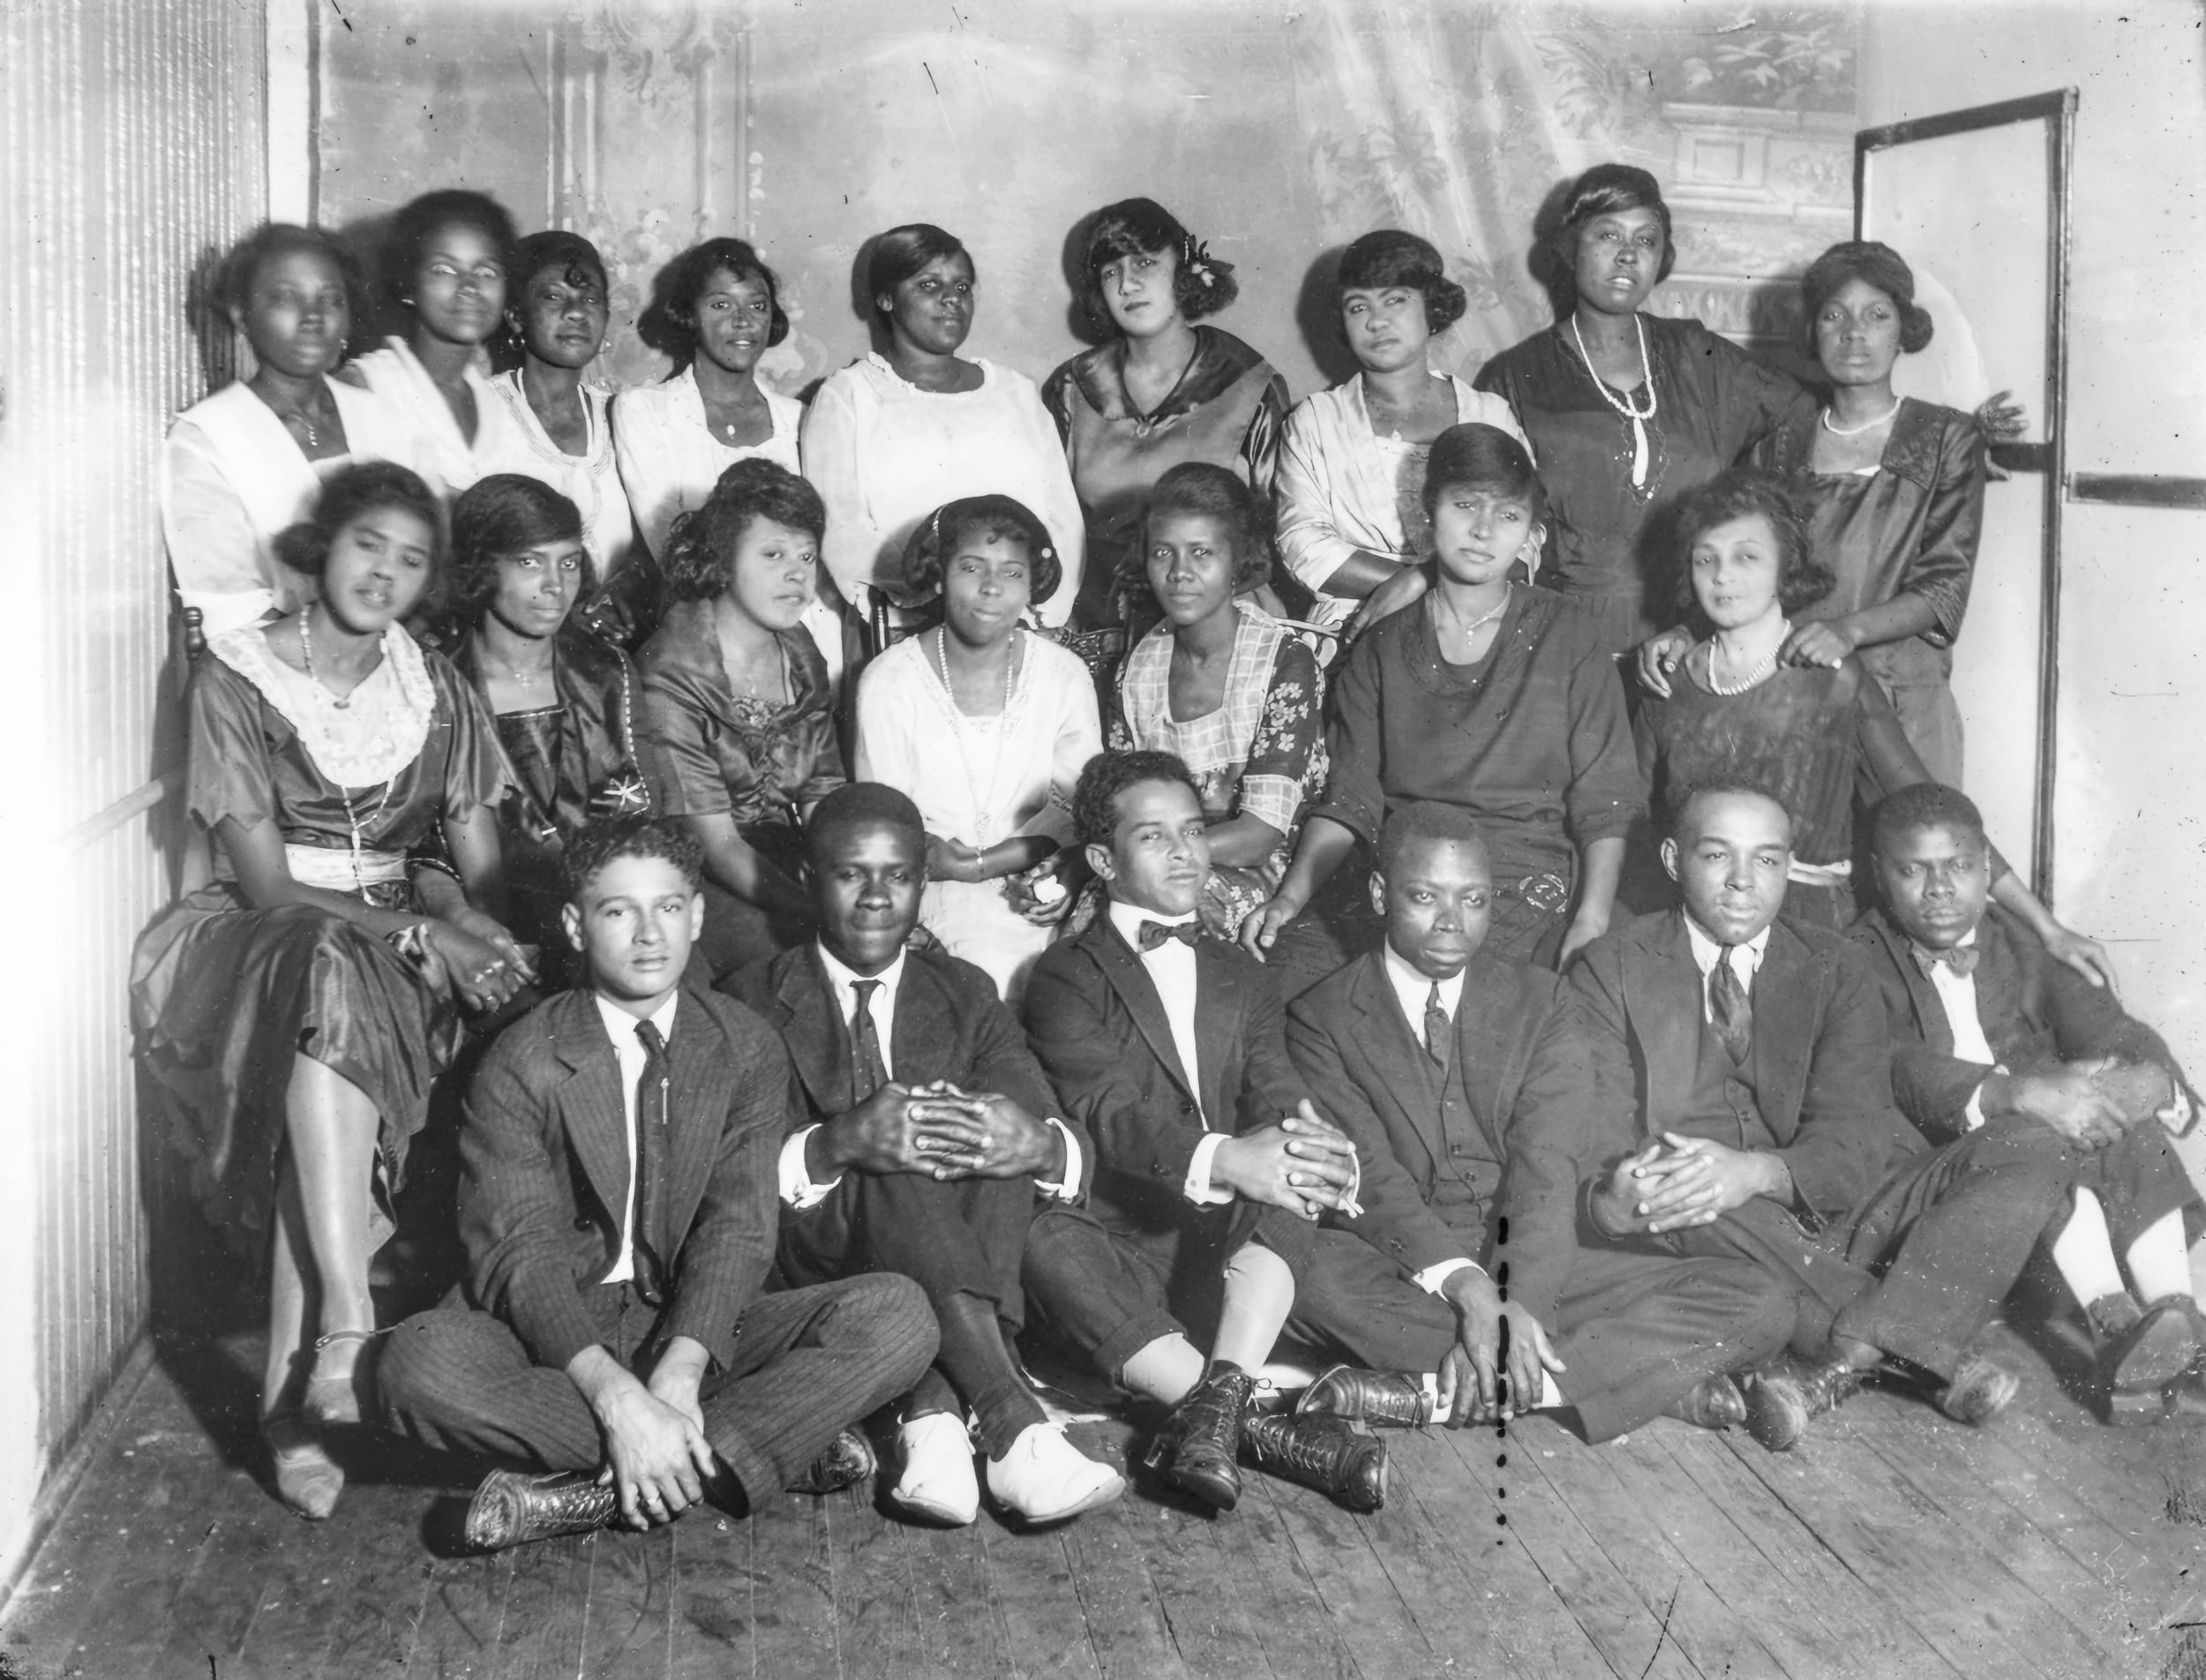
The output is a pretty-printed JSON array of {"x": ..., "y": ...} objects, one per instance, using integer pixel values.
[{"x": 1103, "y": 840}]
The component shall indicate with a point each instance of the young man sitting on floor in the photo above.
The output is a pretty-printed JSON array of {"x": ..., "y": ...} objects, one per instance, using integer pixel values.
[
  {"x": 1464, "y": 1080},
  {"x": 617, "y": 1203},
  {"x": 1167, "y": 1047},
  {"x": 920, "y": 1141},
  {"x": 1754, "y": 1054},
  {"x": 1987, "y": 1031}
]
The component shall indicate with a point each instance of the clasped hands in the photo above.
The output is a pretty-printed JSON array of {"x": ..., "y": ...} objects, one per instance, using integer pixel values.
[
  {"x": 941, "y": 1131},
  {"x": 2092, "y": 1104},
  {"x": 1303, "y": 1163},
  {"x": 656, "y": 1455},
  {"x": 1471, "y": 1389},
  {"x": 485, "y": 964},
  {"x": 1676, "y": 1182}
]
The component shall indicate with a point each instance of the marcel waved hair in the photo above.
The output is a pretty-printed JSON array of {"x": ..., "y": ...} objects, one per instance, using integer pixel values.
[
  {"x": 704, "y": 539},
  {"x": 352, "y": 492},
  {"x": 1202, "y": 284},
  {"x": 1109, "y": 775},
  {"x": 1603, "y": 191},
  {"x": 938, "y": 538},
  {"x": 1206, "y": 490},
  {"x": 1747, "y": 492},
  {"x": 1390, "y": 257},
  {"x": 690, "y": 273},
  {"x": 1875, "y": 263},
  {"x": 497, "y": 517},
  {"x": 1476, "y": 456},
  {"x": 599, "y": 844},
  {"x": 903, "y": 252}
]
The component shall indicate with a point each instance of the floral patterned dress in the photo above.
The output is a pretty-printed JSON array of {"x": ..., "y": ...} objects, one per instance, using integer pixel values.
[{"x": 1262, "y": 754}]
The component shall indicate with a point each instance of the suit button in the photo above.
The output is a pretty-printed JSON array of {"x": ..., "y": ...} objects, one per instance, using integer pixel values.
[
  {"x": 581, "y": 1222},
  {"x": 1187, "y": 1108},
  {"x": 1455, "y": 1149}
]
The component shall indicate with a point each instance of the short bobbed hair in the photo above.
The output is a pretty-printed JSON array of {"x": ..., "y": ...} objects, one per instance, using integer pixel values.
[
  {"x": 1873, "y": 263},
  {"x": 420, "y": 220},
  {"x": 577, "y": 260},
  {"x": 903, "y": 252},
  {"x": 595, "y": 844},
  {"x": 704, "y": 539},
  {"x": 1603, "y": 191},
  {"x": 1715, "y": 784},
  {"x": 274, "y": 239},
  {"x": 1477, "y": 456},
  {"x": 1109, "y": 775},
  {"x": 1746, "y": 493},
  {"x": 690, "y": 273},
  {"x": 495, "y": 518},
  {"x": 1427, "y": 819},
  {"x": 1202, "y": 284},
  {"x": 862, "y": 805},
  {"x": 1207, "y": 490},
  {"x": 1391, "y": 257},
  {"x": 939, "y": 537},
  {"x": 1926, "y": 805},
  {"x": 352, "y": 491}
]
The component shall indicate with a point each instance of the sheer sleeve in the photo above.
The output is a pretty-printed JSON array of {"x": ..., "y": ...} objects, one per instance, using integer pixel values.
[
  {"x": 1289, "y": 742},
  {"x": 213, "y": 548},
  {"x": 1309, "y": 540},
  {"x": 229, "y": 773}
]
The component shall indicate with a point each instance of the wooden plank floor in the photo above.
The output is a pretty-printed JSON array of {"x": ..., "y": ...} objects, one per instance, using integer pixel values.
[{"x": 1894, "y": 1544}]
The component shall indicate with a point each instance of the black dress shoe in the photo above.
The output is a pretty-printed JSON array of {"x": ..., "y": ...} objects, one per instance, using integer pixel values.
[
  {"x": 515, "y": 1506},
  {"x": 1980, "y": 1392},
  {"x": 1385, "y": 1399},
  {"x": 1327, "y": 1453},
  {"x": 1785, "y": 1396},
  {"x": 2137, "y": 1365},
  {"x": 1713, "y": 1403},
  {"x": 847, "y": 1461},
  {"x": 1200, "y": 1444}
]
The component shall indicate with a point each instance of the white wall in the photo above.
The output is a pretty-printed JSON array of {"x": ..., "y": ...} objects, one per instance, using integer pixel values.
[{"x": 2130, "y": 806}]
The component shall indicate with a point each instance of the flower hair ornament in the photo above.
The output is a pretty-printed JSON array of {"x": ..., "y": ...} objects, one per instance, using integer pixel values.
[{"x": 1195, "y": 257}]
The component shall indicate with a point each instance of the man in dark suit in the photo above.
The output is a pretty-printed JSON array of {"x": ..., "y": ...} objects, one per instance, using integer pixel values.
[
  {"x": 1165, "y": 1047},
  {"x": 617, "y": 1207},
  {"x": 1752, "y": 1054},
  {"x": 1465, "y": 1082},
  {"x": 921, "y": 1138},
  {"x": 1988, "y": 1030}
]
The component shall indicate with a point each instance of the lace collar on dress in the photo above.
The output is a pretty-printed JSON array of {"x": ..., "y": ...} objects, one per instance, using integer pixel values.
[{"x": 364, "y": 743}]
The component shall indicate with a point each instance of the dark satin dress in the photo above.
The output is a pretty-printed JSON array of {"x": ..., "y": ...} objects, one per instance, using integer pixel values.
[
  {"x": 711, "y": 751},
  {"x": 571, "y": 762},
  {"x": 226, "y": 996}
]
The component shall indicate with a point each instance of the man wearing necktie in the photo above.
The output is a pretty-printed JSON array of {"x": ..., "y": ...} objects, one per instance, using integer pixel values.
[
  {"x": 1989, "y": 1031},
  {"x": 1464, "y": 1080},
  {"x": 1749, "y": 1059},
  {"x": 922, "y": 1138},
  {"x": 615, "y": 1334},
  {"x": 1211, "y": 1164}
]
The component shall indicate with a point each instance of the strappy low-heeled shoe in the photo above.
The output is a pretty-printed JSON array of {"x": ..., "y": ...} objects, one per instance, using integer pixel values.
[
  {"x": 306, "y": 1478},
  {"x": 347, "y": 1397}
]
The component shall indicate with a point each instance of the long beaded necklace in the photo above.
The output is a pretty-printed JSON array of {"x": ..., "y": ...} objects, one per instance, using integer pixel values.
[
  {"x": 1767, "y": 663},
  {"x": 1624, "y": 405},
  {"x": 353, "y": 819},
  {"x": 983, "y": 810}
]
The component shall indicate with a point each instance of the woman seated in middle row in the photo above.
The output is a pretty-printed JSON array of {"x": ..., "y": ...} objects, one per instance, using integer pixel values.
[
  {"x": 1815, "y": 735},
  {"x": 987, "y": 728},
  {"x": 738, "y": 715},
  {"x": 565, "y": 703},
  {"x": 1491, "y": 698}
]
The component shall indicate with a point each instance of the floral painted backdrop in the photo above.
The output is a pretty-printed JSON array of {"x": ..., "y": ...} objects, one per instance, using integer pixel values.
[{"x": 1279, "y": 129}]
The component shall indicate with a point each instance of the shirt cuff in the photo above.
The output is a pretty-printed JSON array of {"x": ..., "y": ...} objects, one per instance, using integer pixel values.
[
  {"x": 797, "y": 1189},
  {"x": 1067, "y": 1188},
  {"x": 1198, "y": 1188},
  {"x": 1972, "y": 1116},
  {"x": 1433, "y": 1279}
]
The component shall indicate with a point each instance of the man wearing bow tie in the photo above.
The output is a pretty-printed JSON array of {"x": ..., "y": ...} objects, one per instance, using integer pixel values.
[
  {"x": 1168, "y": 1048},
  {"x": 1989, "y": 1032}
]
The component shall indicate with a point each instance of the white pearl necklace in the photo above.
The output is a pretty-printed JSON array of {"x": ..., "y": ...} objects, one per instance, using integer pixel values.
[
  {"x": 1867, "y": 426},
  {"x": 1767, "y": 663},
  {"x": 983, "y": 802},
  {"x": 1624, "y": 405}
]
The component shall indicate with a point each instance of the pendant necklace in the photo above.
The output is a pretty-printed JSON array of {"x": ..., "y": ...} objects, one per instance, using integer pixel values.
[
  {"x": 305, "y": 421},
  {"x": 354, "y": 820},
  {"x": 1867, "y": 426},
  {"x": 1767, "y": 663},
  {"x": 1480, "y": 623},
  {"x": 984, "y": 819},
  {"x": 1624, "y": 405}
]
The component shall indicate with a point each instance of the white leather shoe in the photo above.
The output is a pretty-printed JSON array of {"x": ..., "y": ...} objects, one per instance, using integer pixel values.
[
  {"x": 1044, "y": 1477},
  {"x": 938, "y": 1481}
]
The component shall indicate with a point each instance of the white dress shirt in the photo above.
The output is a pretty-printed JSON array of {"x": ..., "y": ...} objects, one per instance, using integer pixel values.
[
  {"x": 1171, "y": 970},
  {"x": 1747, "y": 961},
  {"x": 1957, "y": 993},
  {"x": 1413, "y": 990},
  {"x": 797, "y": 1189},
  {"x": 628, "y": 1049}
]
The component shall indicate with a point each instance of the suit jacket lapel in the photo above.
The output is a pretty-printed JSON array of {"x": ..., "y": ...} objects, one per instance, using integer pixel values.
[
  {"x": 1220, "y": 1010},
  {"x": 695, "y": 1101},
  {"x": 1783, "y": 1032},
  {"x": 811, "y": 1024},
  {"x": 1922, "y": 996},
  {"x": 1122, "y": 971},
  {"x": 592, "y": 1106},
  {"x": 1391, "y": 1051},
  {"x": 923, "y": 1033},
  {"x": 1481, "y": 1049},
  {"x": 1662, "y": 989}
]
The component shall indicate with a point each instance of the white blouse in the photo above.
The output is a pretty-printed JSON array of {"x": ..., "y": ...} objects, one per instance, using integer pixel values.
[
  {"x": 884, "y": 454},
  {"x": 670, "y": 461},
  {"x": 1340, "y": 490},
  {"x": 232, "y": 477},
  {"x": 589, "y": 480},
  {"x": 440, "y": 453}
]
